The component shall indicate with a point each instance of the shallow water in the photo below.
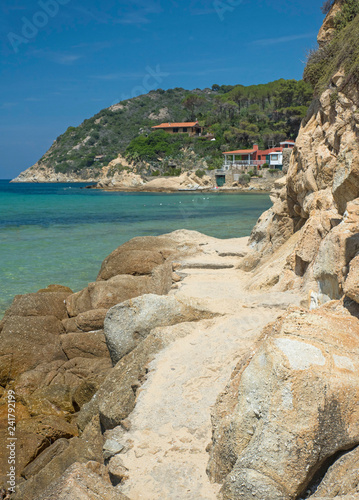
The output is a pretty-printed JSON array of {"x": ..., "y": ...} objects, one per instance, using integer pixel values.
[{"x": 60, "y": 233}]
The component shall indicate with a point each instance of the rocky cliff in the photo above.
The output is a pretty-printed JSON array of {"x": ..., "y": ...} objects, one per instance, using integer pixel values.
[
  {"x": 117, "y": 385},
  {"x": 286, "y": 426}
]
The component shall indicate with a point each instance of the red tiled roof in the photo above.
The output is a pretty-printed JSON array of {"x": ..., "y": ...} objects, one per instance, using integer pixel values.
[
  {"x": 251, "y": 151},
  {"x": 177, "y": 125},
  {"x": 241, "y": 152}
]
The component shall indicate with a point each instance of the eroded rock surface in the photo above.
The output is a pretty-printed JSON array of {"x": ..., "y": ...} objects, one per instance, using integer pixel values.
[{"x": 290, "y": 408}]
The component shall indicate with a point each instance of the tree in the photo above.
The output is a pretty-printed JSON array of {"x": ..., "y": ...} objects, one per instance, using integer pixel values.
[
  {"x": 327, "y": 5},
  {"x": 192, "y": 102}
]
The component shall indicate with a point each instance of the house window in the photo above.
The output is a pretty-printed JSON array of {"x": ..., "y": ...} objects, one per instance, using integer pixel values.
[
  {"x": 259, "y": 157},
  {"x": 175, "y": 130},
  {"x": 184, "y": 129},
  {"x": 274, "y": 157}
]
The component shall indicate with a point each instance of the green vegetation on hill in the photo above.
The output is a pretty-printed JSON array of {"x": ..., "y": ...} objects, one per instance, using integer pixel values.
[
  {"x": 236, "y": 115},
  {"x": 342, "y": 52}
]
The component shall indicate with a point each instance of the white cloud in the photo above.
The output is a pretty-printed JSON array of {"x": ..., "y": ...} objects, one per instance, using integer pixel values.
[{"x": 282, "y": 39}]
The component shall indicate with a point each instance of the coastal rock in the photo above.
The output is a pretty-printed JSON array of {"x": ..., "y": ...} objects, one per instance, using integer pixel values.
[
  {"x": 188, "y": 181},
  {"x": 139, "y": 256},
  {"x": 86, "y": 448},
  {"x": 351, "y": 285},
  {"x": 34, "y": 435},
  {"x": 289, "y": 408},
  {"x": 81, "y": 482},
  {"x": 134, "y": 262},
  {"x": 39, "y": 304},
  {"x": 105, "y": 294},
  {"x": 121, "y": 180},
  {"x": 37, "y": 173},
  {"x": 26, "y": 342},
  {"x": 319, "y": 201},
  {"x": 341, "y": 479},
  {"x": 127, "y": 324},
  {"x": 84, "y": 345},
  {"x": 327, "y": 30},
  {"x": 70, "y": 373},
  {"x": 91, "y": 320},
  {"x": 45, "y": 457},
  {"x": 78, "y": 303},
  {"x": 56, "y": 288}
]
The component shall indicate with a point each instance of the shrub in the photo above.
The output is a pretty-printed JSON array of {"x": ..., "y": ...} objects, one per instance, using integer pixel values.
[
  {"x": 244, "y": 179},
  {"x": 327, "y": 5},
  {"x": 341, "y": 52},
  {"x": 155, "y": 173},
  {"x": 200, "y": 173}
]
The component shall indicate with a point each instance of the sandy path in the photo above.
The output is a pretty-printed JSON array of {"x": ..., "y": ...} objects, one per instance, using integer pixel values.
[{"x": 170, "y": 426}]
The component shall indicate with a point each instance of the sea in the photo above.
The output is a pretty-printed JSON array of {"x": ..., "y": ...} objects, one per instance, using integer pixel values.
[{"x": 60, "y": 233}]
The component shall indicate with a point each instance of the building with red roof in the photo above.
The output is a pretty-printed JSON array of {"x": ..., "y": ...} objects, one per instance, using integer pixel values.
[
  {"x": 190, "y": 128},
  {"x": 256, "y": 157}
]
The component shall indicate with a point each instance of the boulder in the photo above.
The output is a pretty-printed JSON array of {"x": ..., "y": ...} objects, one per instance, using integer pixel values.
[
  {"x": 70, "y": 325},
  {"x": 56, "y": 288},
  {"x": 70, "y": 373},
  {"x": 50, "y": 400},
  {"x": 341, "y": 479},
  {"x": 351, "y": 285},
  {"x": 127, "y": 324},
  {"x": 78, "y": 303},
  {"x": 33, "y": 435},
  {"x": 81, "y": 482},
  {"x": 138, "y": 256},
  {"x": 105, "y": 294},
  {"x": 135, "y": 262},
  {"x": 84, "y": 449},
  {"x": 26, "y": 342},
  {"x": 290, "y": 408},
  {"x": 39, "y": 304},
  {"x": 84, "y": 345},
  {"x": 91, "y": 320},
  {"x": 45, "y": 458}
]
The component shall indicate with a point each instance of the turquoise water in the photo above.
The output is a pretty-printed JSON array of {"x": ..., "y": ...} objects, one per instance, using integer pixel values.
[{"x": 60, "y": 233}]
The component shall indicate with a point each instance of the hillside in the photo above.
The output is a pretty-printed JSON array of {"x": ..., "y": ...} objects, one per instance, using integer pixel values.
[{"x": 236, "y": 115}]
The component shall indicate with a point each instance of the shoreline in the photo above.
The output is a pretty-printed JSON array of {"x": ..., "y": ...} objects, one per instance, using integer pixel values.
[{"x": 178, "y": 191}]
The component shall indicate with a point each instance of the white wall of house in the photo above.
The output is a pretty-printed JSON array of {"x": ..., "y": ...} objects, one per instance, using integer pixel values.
[{"x": 276, "y": 159}]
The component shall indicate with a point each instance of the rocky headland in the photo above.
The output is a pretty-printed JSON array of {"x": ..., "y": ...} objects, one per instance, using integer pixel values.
[{"x": 197, "y": 368}]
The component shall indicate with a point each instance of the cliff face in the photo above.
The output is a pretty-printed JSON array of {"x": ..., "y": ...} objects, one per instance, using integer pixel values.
[
  {"x": 37, "y": 173},
  {"x": 320, "y": 199}
]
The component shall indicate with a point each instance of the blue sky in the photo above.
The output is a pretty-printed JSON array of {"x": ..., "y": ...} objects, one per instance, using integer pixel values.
[{"x": 64, "y": 60}]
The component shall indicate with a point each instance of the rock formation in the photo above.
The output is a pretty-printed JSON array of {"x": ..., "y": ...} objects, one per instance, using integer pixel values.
[
  {"x": 115, "y": 383},
  {"x": 285, "y": 425}
]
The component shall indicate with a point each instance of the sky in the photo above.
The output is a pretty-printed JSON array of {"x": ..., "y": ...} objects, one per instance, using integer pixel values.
[{"x": 62, "y": 61}]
